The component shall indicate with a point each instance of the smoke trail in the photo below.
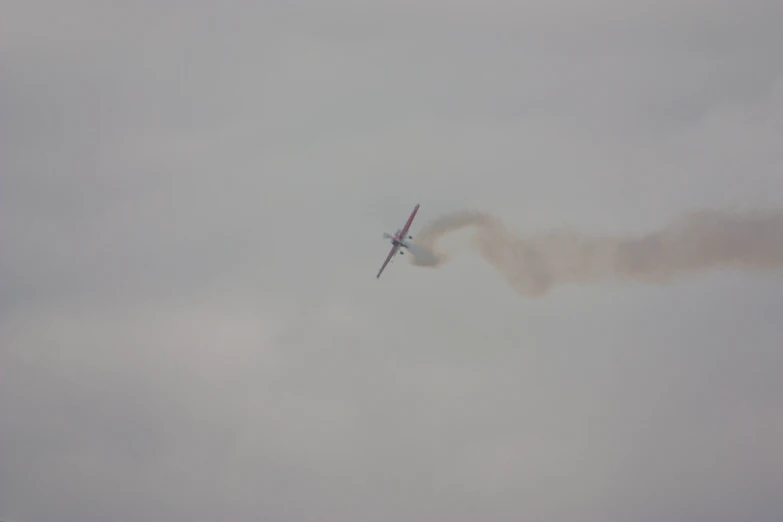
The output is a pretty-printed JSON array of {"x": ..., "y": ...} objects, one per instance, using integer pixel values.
[{"x": 535, "y": 264}]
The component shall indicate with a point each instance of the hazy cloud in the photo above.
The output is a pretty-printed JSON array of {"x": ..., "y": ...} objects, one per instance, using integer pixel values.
[{"x": 192, "y": 198}]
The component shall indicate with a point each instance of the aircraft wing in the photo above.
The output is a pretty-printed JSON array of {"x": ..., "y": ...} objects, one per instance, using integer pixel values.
[
  {"x": 393, "y": 251},
  {"x": 404, "y": 232}
]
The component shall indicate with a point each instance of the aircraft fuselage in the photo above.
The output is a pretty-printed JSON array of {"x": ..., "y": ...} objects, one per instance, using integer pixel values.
[{"x": 399, "y": 240}]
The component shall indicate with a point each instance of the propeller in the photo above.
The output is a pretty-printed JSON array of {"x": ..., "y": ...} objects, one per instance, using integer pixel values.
[{"x": 386, "y": 235}]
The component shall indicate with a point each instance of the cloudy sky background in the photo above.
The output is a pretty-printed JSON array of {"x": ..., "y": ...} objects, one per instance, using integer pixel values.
[{"x": 192, "y": 196}]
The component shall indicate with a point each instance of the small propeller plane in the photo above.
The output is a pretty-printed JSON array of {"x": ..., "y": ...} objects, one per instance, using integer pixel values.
[{"x": 399, "y": 240}]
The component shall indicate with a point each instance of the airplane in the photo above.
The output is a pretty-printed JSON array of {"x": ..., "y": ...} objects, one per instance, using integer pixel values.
[{"x": 398, "y": 240}]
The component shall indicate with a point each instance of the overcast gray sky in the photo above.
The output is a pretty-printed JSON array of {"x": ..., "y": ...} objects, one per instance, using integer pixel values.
[{"x": 192, "y": 196}]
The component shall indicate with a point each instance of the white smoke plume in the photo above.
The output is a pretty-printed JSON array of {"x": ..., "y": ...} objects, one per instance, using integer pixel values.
[{"x": 535, "y": 264}]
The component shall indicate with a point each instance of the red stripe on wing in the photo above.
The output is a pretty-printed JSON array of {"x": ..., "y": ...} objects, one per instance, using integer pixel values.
[
  {"x": 404, "y": 233},
  {"x": 393, "y": 251}
]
